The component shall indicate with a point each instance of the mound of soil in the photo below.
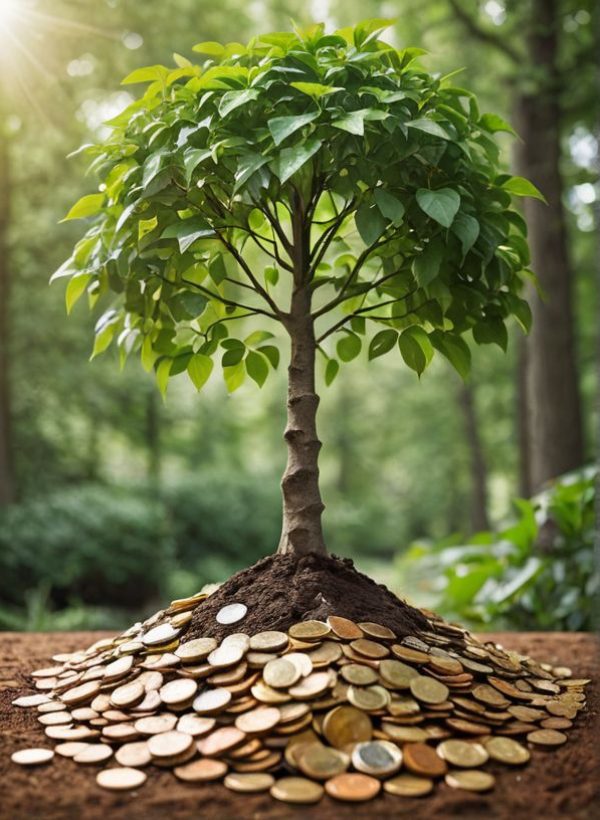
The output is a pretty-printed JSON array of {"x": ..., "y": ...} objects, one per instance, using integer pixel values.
[{"x": 282, "y": 589}]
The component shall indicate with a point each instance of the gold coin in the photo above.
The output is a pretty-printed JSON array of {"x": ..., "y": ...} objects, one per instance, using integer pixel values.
[
  {"x": 226, "y": 656},
  {"x": 344, "y": 628},
  {"x": 405, "y": 653},
  {"x": 127, "y": 695},
  {"x": 526, "y": 713},
  {"x": 408, "y": 785},
  {"x": 467, "y": 727},
  {"x": 265, "y": 694},
  {"x": 169, "y": 744},
  {"x": 211, "y": 701},
  {"x": 248, "y": 783},
  {"x": 471, "y": 780},
  {"x": 195, "y": 726},
  {"x": 309, "y": 630},
  {"x": 377, "y": 757},
  {"x": 133, "y": 755},
  {"x": 326, "y": 654},
  {"x": 95, "y": 753},
  {"x": 445, "y": 666},
  {"x": 564, "y": 710},
  {"x": 32, "y": 757},
  {"x": 258, "y": 721},
  {"x": 70, "y": 748},
  {"x": 556, "y": 723},
  {"x": 281, "y": 674},
  {"x": 179, "y": 690},
  {"x": 311, "y": 687},
  {"x": 403, "y": 706},
  {"x": 292, "y": 712},
  {"x": 221, "y": 741},
  {"x": 368, "y": 698},
  {"x": 404, "y": 734},
  {"x": 462, "y": 753},
  {"x": 490, "y": 696},
  {"x": 358, "y": 674},
  {"x": 422, "y": 759},
  {"x": 270, "y": 641},
  {"x": 428, "y": 690},
  {"x": 507, "y": 750},
  {"x": 81, "y": 694},
  {"x": 353, "y": 788},
  {"x": 196, "y": 650},
  {"x": 265, "y": 764},
  {"x": 547, "y": 737},
  {"x": 297, "y": 790},
  {"x": 119, "y": 779},
  {"x": 201, "y": 771},
  {"x": 231, "y": 614},
  {"x": 345, "y": 725},
  {"x": 321, "y": 762},
  {"x": 155, "y": 724},
  {"x": 397, "y": 674},
  {"x": 370, "y": 649},
  {"x": 159, "y": 635},
  {"x": 377, "y": 631},
  {"x": 301, "y": 661}
]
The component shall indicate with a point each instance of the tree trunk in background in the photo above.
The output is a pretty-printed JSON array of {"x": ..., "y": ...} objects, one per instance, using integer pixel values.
[
  {"x": 153, "y": 438},
  {"x": 554, "y": 425},
  {"x": 522, "y": 425},
  {"x": 7, "y": 488},
  {"x": 478, "y": 467}
]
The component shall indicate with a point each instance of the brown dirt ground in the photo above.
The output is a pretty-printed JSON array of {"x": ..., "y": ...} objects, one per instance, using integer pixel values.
[{"x": 560, "y": 784}]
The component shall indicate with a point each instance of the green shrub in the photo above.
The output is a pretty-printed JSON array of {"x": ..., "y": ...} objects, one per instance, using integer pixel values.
[{"x": 537, "y": 573}]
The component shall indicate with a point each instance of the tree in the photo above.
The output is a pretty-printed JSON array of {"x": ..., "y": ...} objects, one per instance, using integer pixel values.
[
  {"x": 7, "y": 490},
  {"x": 301, "y": 175}
]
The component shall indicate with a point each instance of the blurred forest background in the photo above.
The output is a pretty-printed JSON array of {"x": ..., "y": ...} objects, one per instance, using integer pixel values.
[{"x": 111, "y": 501}]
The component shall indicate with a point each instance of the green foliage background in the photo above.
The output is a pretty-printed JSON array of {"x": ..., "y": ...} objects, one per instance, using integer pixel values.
[{"x": 154, "y": 499}]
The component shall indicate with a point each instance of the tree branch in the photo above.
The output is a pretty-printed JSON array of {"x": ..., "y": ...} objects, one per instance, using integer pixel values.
[
  {"x": 481, "y": 33},
  {"x": 360, "y": 311},
  {"x": 326, "y": 238},
  {"x": 219, "y": 298}
]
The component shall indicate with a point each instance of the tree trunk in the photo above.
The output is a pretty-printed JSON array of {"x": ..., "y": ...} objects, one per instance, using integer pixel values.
[
  {"x": 479, "y": 516},
  {"x": 554, "y": 427},
  {"x": 302, "y": 505},
  {"x": 7, "y": 490},
  {"x": 522, "y": 421}
]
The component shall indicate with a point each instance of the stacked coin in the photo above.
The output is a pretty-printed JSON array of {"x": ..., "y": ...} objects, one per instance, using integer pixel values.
[{"x": 334, "y": 707}]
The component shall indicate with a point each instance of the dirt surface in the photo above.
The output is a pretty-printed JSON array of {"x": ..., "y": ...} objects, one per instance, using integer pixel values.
[
  {"x": 281, "y": 590},
  {"x": 559, "y": 784}
]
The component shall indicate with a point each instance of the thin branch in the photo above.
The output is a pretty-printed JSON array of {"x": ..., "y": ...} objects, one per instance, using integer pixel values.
[
  {"x": 360, "y": 311},
  {"x": 324, "y": 241},
  {"x": 483, "y": 34},
  {"x": 276, "y": 227},
  {"x": 219, "y": 298},
  {"x": 220, "y": 321}
]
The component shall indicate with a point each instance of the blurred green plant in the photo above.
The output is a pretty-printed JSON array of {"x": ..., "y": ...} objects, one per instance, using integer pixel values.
[{"x": 537, "y": 573}]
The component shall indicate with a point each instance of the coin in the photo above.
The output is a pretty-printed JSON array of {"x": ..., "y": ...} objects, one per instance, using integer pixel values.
[
  {"x": 321, "y": 762},
  {"x": 526, "y": 713},
  {"x": 200, "y": 771},
  {"x": 70, "y": 748},
  {"x": 297, "y": 790},
  {"x": 258, "y": 721},
  {"x": 155, "y": 724},
  {"x": 405, "y": 653},
  {"x": 30, "y": 700},
  {"x": 119, "y": 668},
  {"x": 344, "y": 628},
  {"x": 127, "y": 695},
  {"x": 248, "y": 783},
  {"x": 422, "y": 759},
  {"x": 462, "y": 753},
  {"x": 120, "y": 778},
  {"x": 345, "y": 725},
  {"x": 358, "y": 674},
  {"x": 556, "y": 723},
  {"x": 325, "y": 654},
  {"x": 195, "y": 726},
  {"x": 95, "y": 753},
  {"x": 507, "y": 750},
  {"x": 428, "y": 690},
  {"x": 196, "y": 650},
  {"x": 309, "y": 630},
  {"x": 270, "y": 641},
  {"x": 301, "y": 661},
  {"x": 221, "y": 741},
  {"x": 368, "y": 698},
  {"x": 226, "y": 656},
  {"x": 169, "y": 744},
  {"x": 353, "y": 788},
  {"x": 468, "y": 727},
  {"x": 32, "y": 757},
  {"x": 370, "y": 649},
  {"x": 397, "y": 674},
  {"x": 408, "y": 785},
  {"x": 159, "y": 635},
  {"x": 211, "y": 701},
  {"x": 179, "y": 690},
  {"x": 55, "y": 718},
  {"x": 81, "y": 694},
  {"x": 377, "y": 631},
  {"x": 281, "y": 674},
  {"x": 231, "y": 614},
  {"x": 311, "y": 687},
  {"x": 377, "y": 757},
  {"x": 404, "y": 734},
  {"x": 133, "y": 755},
  {"x": 547, "y": 737},
  {"x": 472, "y": 780}
]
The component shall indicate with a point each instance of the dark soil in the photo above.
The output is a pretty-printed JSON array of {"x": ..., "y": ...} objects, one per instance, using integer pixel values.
[
  {"x": 558, "y": 785},
  {"x": 282, "y": 589}
]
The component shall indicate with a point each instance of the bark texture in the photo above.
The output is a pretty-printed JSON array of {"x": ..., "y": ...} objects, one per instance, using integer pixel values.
[
  {"x": 7, "y": 490},
  {"x": 554, "y": 426}
]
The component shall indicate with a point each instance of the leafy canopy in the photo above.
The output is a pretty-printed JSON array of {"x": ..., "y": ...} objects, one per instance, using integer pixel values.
[{"x": 327, "y": 161}]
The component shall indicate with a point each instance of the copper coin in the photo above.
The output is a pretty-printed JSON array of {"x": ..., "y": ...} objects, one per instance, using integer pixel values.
[
  {"x": 422, "y": 759},
  {"x": 370, "y": 649},
  {"x": 377, "y": 631},
  {"x": 344, "y": 628},
  {"x": 556, "y": 723},
  {"x": 221, "y": 741},
  {"x": 428, "y": 690},
  {"x": 297, "y": 790},
  {"x": 405, "y": 653},
  {"x": 396, "y": 674},
  {"x": 345, "y": 725},
  {"x": 195, "y": 726},
  {"x": 353, "y": 788},
  {"x": 311, "y": 687},
  {"x": 200, "y": 771},
  {"x": 120, "y": 779}
]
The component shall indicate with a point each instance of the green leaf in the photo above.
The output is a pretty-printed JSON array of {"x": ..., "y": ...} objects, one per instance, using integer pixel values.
[
  {"x": 370, "y": 224},
  {"x": 519, "y": 186},
  {"x": 454, "y": 349},
  {"x": 292, "y": 159},
  {"x": 217, "y": 270},
  {"x": 257, "y": 367},
  {"x": 192, "y": 158},
  {"x": 491, "y": 331},
  {"x": 257, "y": 337},
  {"x": 234, "y": 376},
  {"x": 88, "y": 205},
  {"x": 349, "y": 347},
  {"x": 382, "y": 343},
  {"x": 441, "y": 204},
  {"x": 389, "y": 205},
  {"x": 247, "y": 165},
  {"x": 315, "y": 90},
  {"x": 199, "y": 369},
  {"x": 233, "y": 356},
  {"x": 75, "y": 289},
  {"x": 148, "y": 74},
  {"x": 426, "y": 265},
  {"x": 429, "y": 127},
  {"x": 331, "y": 370},
  {"x": 187, "y": 231},
  {"x": 353, "y": 122},
  {"x": 522, "y": 313},
  {"x": 103, "y": 339},
  {"x": 283, "y": 127},
  {"x": 162, "y": 375},
  {"x": 493, "y": 123},
  {"x": 233, "y": 99},
  {"x": 272, "y": 354},
  {"x": 415, "y": 348},
  {"x": 148, "y": 355},
  {"x": 211, "y": 48},
  {"x": 467, "y": 229},
  {"x": 271, "y": 275}
]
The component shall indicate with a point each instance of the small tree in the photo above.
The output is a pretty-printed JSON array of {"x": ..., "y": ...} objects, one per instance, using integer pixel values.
[{"x": 302, "y": 175}]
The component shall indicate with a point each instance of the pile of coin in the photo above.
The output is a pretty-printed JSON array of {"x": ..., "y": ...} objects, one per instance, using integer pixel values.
[{"x": 334, "y": 707}]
